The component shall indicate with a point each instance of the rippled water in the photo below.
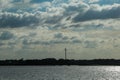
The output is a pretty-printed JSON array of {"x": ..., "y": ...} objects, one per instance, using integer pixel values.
[{"x": 59, "y": 73}]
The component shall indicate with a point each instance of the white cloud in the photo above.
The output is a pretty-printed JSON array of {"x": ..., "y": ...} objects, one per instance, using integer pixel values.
[
  {"x": 48, "y": 27},
  {"x": 5, "y": 4},
  {"x": 93, "y": 1}
]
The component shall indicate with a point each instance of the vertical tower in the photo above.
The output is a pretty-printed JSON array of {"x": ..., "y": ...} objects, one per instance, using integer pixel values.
[{"x": 65, "y": 53}]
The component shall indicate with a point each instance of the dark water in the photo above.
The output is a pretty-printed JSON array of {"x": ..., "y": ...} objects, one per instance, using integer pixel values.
[{"x": 60, "y": 73}]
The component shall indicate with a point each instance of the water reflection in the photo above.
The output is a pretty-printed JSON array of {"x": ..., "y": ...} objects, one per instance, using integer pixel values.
[{"x": 60, "y": 73}]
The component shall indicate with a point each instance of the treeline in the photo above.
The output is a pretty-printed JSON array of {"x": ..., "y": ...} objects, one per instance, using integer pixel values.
[{"x": 52, "y": 61}]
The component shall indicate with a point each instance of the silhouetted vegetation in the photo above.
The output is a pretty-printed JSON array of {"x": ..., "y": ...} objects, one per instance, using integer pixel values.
[{"x": 52, "y": 61}]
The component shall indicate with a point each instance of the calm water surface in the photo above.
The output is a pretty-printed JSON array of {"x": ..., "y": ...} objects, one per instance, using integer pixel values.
[{"x": 59, "y": 72}]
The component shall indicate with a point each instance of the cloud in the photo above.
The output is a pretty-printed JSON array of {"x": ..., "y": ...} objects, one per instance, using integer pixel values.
[
  {"x": 60, "y": 15},
  {"x": 93, "y": 1},
  {"x": 90, "y": 44},
  {"x": 73, "y": 8},
  {"x": 5, "y": 4},
  {"x": 40, "y": 1},
  {"x": 104, "y": 2},
  {"x": 98, "y": 12},
  {"x": 53, "y": 39},
  {"x": 58, "y": 35},
  {"x": 58, "y": 39},
  {"x": 6, "y": 35},
  {"x": 39, "y": 14},
  {"x": 76, "y": 40},
  {"x": 1, "y": 43},
  {"x": 13, "y": 20}
]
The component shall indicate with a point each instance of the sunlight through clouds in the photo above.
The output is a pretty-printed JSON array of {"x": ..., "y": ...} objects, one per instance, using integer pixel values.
[{"x": 88, "y": 28}]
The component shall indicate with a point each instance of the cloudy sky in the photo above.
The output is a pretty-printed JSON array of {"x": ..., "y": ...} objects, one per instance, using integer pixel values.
[{"x": 37, "y": 29}]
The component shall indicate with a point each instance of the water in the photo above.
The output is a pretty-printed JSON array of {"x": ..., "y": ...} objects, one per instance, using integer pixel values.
[{"x": 59, "y": 72}]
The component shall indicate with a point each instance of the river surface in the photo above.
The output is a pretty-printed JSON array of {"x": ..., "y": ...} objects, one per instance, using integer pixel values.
[{"x": 59, "y": 72}]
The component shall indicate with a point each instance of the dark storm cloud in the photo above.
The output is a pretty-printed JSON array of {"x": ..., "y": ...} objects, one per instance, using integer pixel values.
[
  {"x": 93, "y": 14},
  {"x": 13, "y": 20},
  {"x": 6, "y": 35}
]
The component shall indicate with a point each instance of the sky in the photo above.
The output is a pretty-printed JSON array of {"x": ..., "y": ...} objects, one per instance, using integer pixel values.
[{"x": 38, "y": 29}]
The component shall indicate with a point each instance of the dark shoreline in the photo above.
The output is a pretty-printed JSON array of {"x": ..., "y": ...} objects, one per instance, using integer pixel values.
[{"x": 60, "y": 62}]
